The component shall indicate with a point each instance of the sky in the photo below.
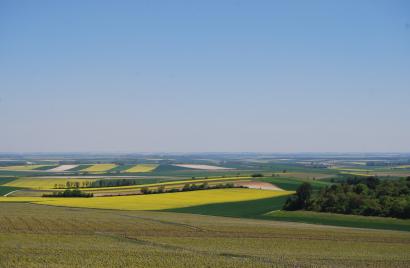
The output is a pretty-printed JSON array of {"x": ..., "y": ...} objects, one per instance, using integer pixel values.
[{"x": 204, "y": 76}]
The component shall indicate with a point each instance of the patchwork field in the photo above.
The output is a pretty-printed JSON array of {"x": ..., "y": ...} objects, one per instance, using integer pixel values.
[
  {"x": 32, "y": 235},
  {"x": 201, "y": 167},
  {"x": 142, "y": 168},
  {"x": 22, "y": 168},
  {"x": 99, "y": 168},
  {"x": 62, "y": 168}
]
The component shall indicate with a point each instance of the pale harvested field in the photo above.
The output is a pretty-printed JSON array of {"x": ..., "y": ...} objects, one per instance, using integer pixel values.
[
  {"x": 203, "y": 167},
  {"x": 62, "y": 168}
]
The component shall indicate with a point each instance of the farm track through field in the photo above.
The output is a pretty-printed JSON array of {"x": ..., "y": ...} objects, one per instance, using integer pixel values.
[
  {"x": 167, "y": 222},
  {"x": 191, "y": 250}
]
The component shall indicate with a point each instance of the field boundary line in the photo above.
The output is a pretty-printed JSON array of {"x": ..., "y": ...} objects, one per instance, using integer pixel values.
[{"x": 11, "y": 192}]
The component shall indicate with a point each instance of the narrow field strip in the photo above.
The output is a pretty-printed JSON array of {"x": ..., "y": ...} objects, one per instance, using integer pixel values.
[
  {"x": 142, "y": 168},
  {"x": 201, "y": 167},
  {"x": 99, "y": 167},
  {"x": 155, "y": 201},
  {"x": 22, "y": 168},
  {"x": 42, "y": 183},
  {"x": 170, "y": 183}
]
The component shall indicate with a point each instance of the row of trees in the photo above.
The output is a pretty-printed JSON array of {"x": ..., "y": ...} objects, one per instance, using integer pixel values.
[
  {"x": 359, "y": 196},
  {"x": 187, "y": 187},
  {"x": 69, "y": 193},
  {"x": 72, "y": 184},
  {"x": 116, "y": 182}
]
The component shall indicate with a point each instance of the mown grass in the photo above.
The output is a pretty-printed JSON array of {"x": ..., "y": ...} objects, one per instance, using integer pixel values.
[
  {"x": 339, "y": 220},
  {"x": 44, "y": 236}
]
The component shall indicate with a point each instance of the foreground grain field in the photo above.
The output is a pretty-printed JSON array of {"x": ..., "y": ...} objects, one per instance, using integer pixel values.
[{"x": 34, "y": 235}]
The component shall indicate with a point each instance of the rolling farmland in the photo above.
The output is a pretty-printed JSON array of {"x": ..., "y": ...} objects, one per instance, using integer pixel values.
[
  {"x": 88, "y": 237},
  {"x": 231, "y": 227}
]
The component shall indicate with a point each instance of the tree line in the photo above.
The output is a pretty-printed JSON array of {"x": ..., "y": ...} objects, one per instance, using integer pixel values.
[
  {"x": 368, "y": 196},
  {"x": 69, "y": 193},
  {"x": 188, "y": 187}
]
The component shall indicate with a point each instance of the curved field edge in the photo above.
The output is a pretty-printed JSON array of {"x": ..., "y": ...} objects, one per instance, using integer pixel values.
[
  {"x": 33, "y": 235},
  {"x": 241, "y": 209},
  {"x": 155, "y": 201}
]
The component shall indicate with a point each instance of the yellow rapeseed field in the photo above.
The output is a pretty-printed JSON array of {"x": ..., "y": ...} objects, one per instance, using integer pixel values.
[
  {"x": 100, "y": 167},
  {"x": 142, "y": 168},
  {"x": 169, "y": 183},
  {"x": 155, "y": 201}
]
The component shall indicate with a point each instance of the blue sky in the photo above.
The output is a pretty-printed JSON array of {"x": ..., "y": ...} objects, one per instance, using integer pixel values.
[{"x": 179, "y": 76}]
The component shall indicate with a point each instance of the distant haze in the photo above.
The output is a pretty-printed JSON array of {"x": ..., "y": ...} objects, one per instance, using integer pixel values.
[{"x": 187, "y": 76}]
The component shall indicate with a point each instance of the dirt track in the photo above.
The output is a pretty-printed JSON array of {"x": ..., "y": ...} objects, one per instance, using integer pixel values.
[{"x": 258, "y": 185}]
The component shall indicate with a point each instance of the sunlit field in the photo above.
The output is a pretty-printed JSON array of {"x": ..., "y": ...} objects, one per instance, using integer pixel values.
[
  {"x": 155, "y": 201},
  {"x": 34, "y": 235},
  {"x": 99, "y": 168},
  {"x": 142, "y": 168},
  {"x": 43, "y": 183}
]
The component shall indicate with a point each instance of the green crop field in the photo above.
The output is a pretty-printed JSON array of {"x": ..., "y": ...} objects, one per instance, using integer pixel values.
[
  {"x": 80, "y": 167},
  {"x": 22, "y": 168},
  {"x": 240, "y": 209},
  {"x": 37, "y": 236},
  {"x": 292, "y": 184},
  {"x": 121, "y": 168}
]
